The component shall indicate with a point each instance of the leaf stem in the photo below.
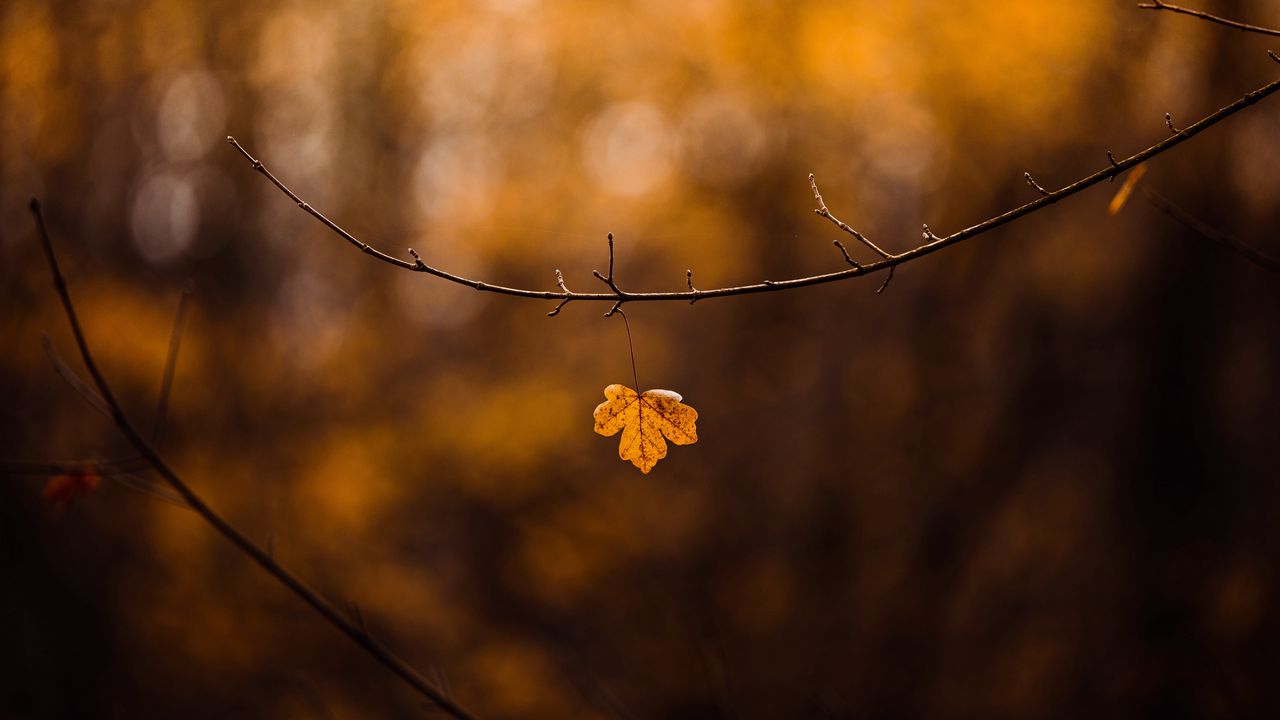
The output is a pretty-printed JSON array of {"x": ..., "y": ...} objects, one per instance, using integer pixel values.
[{"x": 630, "y": 346}]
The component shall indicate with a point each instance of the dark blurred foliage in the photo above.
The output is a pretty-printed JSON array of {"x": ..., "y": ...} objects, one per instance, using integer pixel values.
[{"x": 1035, "y": 478}]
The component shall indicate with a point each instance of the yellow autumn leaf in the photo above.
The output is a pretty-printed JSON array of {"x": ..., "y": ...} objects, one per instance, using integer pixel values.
[
  {"x": 644, "y": 419},
  {"x": 1122, "y": 195}
]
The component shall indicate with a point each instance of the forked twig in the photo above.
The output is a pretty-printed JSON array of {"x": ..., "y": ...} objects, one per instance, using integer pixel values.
[
  {"x": 822, "y": 211},
  {"x": 264, "y": 559},
  {"x": 932, "y": 244},
  {"x": 1246, "y": 27}
]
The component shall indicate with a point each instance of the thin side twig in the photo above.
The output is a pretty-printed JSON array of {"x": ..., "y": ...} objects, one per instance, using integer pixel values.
[
  {"x": 318, "y": 602},
  {"x": 620, "y": 296},
  {"x": 1203, "y": 229},
  {"x": 1246, "y": 27},
  {"x": 1034, "y": 185},
  {"x": 688, "y": 278},
  {"x": 70, "y": 377},
  {"x": 61, "y": 467},
  {"x": 170, "y": 364},
  {"x": 118, "y": 471},
  {"x": 822, "y": 211},
  {"x": 932, "y": 244}
]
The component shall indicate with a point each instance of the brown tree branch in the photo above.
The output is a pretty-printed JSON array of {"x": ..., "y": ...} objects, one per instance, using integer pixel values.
[
  {"x": 1246, "y": 27},
  {"x": 325, "y": 608},
  {"x": 932, "y": 244}
]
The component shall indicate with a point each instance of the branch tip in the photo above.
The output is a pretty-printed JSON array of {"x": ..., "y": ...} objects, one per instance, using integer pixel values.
[
  {"x": 688, "y": 278},
  {"x": 417, "y": 260},
  {"x": 557, "y": 309},
  {"x": 889, "y": 277},
  {"x": 1112, "y": 159},
  {"x": 1035, "y": 185},
  {"x": 823, "y": 211},
  {"x": 1168, "y": 120},
  {"x": 1202, "y": 15},
  {"x": 845, "y": 252}
]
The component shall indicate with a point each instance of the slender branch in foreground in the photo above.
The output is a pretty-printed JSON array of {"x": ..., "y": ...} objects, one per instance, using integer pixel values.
[
  {"x": 932, "y": 244},
  {"x": 120, "y": 471},
  {"x": 319, "y": 603},
  {"x": 1202, "y": 228},
  {"x": 1246, "y": 27}
]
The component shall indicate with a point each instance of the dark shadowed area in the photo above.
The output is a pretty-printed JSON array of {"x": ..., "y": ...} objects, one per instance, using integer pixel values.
[{"x": 1036, "y": 477}]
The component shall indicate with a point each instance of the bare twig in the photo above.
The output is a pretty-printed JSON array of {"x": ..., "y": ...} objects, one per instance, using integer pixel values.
[
  {"x": 688, "y": 278},
  {"x": 62, "y": 467},
  {"x": 932, "y": 244},
  {"x": 1168, "y": 121},
  {"x": 318, "y": 602},
  {"x": 170, "y": 364},
  {"x": 118, "y": 471},
  {"x": 556, "y": 310},
  {"x": 1034, "y": 185},
  {"x": 887, "y": 278},
  {"x": 845, "y": 252},
  {"x": 567, "y": 293},
  {"x": 608, "y": 280},
  {"x": 70, "y": 377},
  {"x": 1202, "y": 228},
  {"x": 147, "y": 487},
  {"x": 824, "y": 212},
  {"x": 1161, "y": 5}
]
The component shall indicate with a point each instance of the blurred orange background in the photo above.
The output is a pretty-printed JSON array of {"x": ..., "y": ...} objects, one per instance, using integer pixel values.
[{"x": 1034, "y": 478}]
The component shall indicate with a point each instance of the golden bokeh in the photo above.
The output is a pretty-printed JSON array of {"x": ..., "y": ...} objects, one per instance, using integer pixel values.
[{"x": 1034, "y": 477}]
